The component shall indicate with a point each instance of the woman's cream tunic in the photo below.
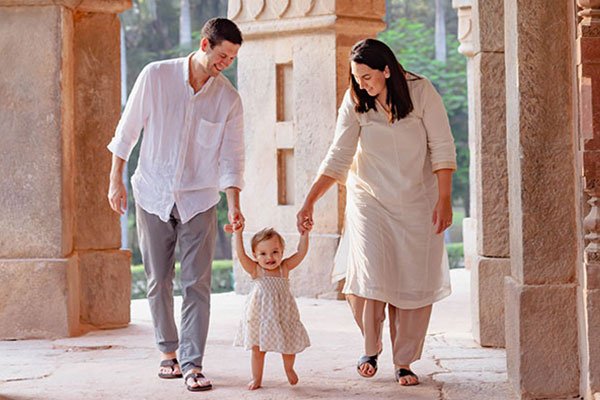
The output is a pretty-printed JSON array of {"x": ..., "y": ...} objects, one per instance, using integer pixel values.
[{"x": 389, "y": 249}]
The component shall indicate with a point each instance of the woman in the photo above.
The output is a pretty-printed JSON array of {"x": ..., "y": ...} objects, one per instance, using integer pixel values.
[{"x": 394, "y": 151}]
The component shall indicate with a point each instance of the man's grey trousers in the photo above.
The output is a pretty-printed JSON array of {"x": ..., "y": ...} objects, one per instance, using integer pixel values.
[{"x": 157, "y": 241}]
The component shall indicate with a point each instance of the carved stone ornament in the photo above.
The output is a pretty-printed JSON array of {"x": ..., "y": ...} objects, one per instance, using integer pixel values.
[
  {"x": 255, "y": 7},
  {"x": 465, "y": 31},
  {"x": 305, "y": 6},
  {"x": 279, "y": 7},
  {"x": 233, "y": 8},
  {"x": 590, "y": 9}
]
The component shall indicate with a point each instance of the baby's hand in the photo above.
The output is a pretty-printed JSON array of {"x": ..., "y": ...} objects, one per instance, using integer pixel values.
[{"x": 232, "y": 228}]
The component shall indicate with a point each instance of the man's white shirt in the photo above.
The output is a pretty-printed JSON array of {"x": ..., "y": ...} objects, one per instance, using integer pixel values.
[{"x": 193, "y": 144}]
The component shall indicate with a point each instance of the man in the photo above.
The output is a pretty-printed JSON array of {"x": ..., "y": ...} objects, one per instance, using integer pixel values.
[{"x": 192, "y": 147}]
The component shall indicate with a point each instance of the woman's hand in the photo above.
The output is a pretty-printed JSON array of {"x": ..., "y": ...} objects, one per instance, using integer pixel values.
[
  {"x": 304, "y": 219},
  {"x": 442, "y": 215}
]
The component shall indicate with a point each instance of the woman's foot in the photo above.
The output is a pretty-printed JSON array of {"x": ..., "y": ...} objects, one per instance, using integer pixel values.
[
  {"x": 367, "y": 366},
  {"x": 405, "y": 376},
  {"x": 254, "y": 384},
  {"x": 291, "y": 376}
]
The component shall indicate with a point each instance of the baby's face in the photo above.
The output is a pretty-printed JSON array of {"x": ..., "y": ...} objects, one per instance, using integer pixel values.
[{"x": 269, "y": 253}]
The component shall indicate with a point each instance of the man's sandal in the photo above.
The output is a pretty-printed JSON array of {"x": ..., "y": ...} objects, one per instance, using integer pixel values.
[
  {"x": 200, "y": 379},
  {"x": 371, "y": 360},
  {"x": 169, "y": 364},
  {"x": 402, "y": 372}
]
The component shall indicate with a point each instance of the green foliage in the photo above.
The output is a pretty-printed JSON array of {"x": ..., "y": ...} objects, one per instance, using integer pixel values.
[
  {"x": 455, "y": 255},
  {"x": 413, "y": 43},
  {"x": 221, "y": 279}
]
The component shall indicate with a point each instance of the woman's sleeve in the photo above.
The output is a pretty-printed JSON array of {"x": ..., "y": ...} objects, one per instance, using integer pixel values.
[
  {"x": 339, "y": 158},
  {"x": 439, "y": 136}
]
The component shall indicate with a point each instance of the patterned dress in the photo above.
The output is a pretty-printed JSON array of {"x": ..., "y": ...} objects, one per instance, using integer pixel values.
[{"x": 271, "y": 319}]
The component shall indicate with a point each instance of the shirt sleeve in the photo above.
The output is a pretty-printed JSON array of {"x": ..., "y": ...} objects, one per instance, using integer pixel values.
[
  {"x": 231, "y": 153},
  {"x": 339, "y": 157},
  {"x": 439, "y": 136},
  {"x": 134, "y": 117}
]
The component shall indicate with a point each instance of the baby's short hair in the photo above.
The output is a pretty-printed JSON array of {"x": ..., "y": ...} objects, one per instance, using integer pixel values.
[{"x": 265, "y": 234}]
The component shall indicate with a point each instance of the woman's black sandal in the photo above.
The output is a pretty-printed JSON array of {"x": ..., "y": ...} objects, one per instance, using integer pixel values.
[
  {"x": 402, "y": 372},
  {"x": 371, "y": 360},
  {"x": 169, "y": 364}
]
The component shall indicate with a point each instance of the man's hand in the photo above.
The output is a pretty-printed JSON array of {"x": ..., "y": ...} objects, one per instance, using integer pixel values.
[
  {"x": 117, "y": 196},
  {"x": 236, "y": 219}
]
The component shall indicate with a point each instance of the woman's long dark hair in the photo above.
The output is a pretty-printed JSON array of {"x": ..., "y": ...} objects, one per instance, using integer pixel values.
[{"x": 377, "y": 55}]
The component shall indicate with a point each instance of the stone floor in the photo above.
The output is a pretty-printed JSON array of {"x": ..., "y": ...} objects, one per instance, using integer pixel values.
[{"x": 122, "y": 363}]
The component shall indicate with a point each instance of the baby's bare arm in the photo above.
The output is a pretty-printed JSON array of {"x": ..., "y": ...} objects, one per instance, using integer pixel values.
[
  {"x": 295, "y": 259},
  {"x": 247, "y": 263}
]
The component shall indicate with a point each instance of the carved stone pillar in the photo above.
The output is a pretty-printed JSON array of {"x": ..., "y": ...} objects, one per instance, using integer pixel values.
[
  {"x": 481, "y": 32},
  {"x": 292, "y": 74},
  {"x": 540, "y": 294},
  {"x": 588, "y": 72},
  {"x": 60, "y": 265}
]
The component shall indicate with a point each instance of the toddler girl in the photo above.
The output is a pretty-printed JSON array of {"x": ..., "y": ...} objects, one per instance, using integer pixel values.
[{"x": 271, "y": 320}]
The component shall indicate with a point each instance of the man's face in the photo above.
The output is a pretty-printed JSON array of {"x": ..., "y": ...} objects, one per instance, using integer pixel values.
[{"x": 219, "y": 57}]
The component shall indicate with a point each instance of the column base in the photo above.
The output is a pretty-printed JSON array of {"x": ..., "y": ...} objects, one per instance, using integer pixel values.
[
  {"x": 487, "y": 300},
  {"x": 541, "y": 340},
  {"x": 105, "y": 288},
  {"x": 42, "y": 300}
]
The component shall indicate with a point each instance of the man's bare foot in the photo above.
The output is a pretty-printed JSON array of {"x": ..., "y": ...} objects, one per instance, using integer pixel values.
[
  {"x": 291, "y": 376},
  {"x": 254, "y": 384}
]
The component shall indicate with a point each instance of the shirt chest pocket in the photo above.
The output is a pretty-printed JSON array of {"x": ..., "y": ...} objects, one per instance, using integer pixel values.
[{"x": 208, "y": 134}]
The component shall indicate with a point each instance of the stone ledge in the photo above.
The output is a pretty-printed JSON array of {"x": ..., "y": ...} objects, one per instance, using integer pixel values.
[{"x": 105, "y": 6}]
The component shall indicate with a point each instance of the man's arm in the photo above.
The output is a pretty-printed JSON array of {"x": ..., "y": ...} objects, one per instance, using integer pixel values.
[
  {"x": 234, "y": 214},
  {"x": 117, "y": 194}
]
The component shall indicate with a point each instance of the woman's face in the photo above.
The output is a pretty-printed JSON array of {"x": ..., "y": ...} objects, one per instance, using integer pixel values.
[{"x": 371, "y": 80}]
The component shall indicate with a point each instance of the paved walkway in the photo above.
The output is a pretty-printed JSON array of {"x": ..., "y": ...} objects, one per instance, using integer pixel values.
[{"x": 122, "y": 363}]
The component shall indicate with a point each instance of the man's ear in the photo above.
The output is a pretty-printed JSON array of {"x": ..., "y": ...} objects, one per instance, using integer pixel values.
[{"x": 204, "y": 44}]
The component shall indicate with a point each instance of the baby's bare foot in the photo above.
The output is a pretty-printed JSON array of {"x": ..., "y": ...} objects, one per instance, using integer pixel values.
[
  {"x": 254, "y": 384},
  {"x": 292, "y": 376}
]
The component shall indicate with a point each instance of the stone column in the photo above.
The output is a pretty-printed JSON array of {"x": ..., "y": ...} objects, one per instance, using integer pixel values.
[
  {"x": 481, "y": 32},
  {"x": 61, "y": 269},
  {"x": 540, "y": 294},
  {"x": 588, "y": 73},
  {"x": 292, "y": 75}
]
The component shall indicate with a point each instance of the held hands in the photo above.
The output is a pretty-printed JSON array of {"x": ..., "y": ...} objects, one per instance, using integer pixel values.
[
  {"x": 236, "y": 221},
  {"x": 117, "y": 196},
  {"x": 442, "y": 215},
  {"x": 304, "y": 219}
]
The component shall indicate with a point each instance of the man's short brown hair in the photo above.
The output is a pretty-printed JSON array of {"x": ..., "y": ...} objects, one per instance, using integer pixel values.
[{"x": 217, "y": 30}]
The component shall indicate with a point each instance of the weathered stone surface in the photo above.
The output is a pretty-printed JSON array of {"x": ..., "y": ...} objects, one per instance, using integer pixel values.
[
  {"x": 312, "y": 278},
  {"x": 35, "y": 153},
  {"x": 261, "y": 10},
  {"x": 543, "y": 232},
  {"x": 488, "y": 26},
  {"x": 487, "y": 300},
  {"x": 107, "y": 6},
  {"x": 541, "y": 334},
  {"x": 105, "y": 287},
  {"x": 42, "y": 300},
  {"x": 592, "y": 298},
  {"x": 490, "y": 155},
  {"x": 97, "y": 106}
]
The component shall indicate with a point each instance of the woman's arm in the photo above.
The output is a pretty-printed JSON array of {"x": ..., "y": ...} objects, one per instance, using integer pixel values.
[
  {"x": 295, "y": 259},
  {"x": 304, "y": 218},
  {"x": 442, "y": 213}
]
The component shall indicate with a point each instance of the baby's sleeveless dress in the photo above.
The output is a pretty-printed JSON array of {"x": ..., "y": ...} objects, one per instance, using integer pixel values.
[{"x": 271, "y": 319}]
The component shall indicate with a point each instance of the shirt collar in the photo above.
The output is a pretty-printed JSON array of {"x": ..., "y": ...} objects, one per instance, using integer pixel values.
[{"x": 186, "y": 74}]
